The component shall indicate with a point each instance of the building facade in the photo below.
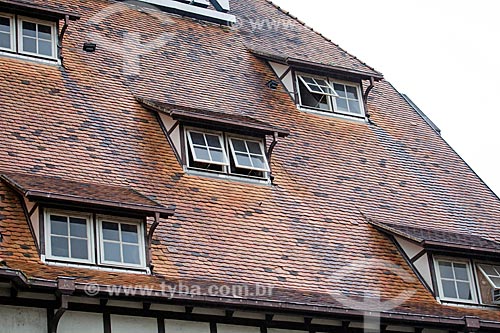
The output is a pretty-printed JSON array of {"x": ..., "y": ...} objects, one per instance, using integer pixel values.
[{"x": 220, "y": 167}]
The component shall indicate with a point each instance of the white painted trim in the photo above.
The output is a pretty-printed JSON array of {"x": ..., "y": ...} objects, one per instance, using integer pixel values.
[
  {"x": 220, "y": 135},
  {"x": 53, "y": 26},
  {"x": 13, "y": 26},
  {"x": 119, "y": 221},
  {"x": 262, "y": 152},
  {"x": 472, "y": 281},
  {"x": 48, "y": 234},
  {"x": 360, "y": 120}
]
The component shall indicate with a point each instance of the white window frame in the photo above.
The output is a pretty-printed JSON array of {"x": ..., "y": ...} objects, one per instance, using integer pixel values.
[
  {"x": 331, "y": 99},
  {"x": 53, "y": 25},
  {"x": 470, "y": 274},
  {"x": 190, "y": 146},
  {"x": 100, "y": 243},
  {"x": 13, "y": 29},
  {"x": 48, "y": 234},
  {"x": 315, "y": 78},
  {"x": 487, "y": 276},
  {"x": 245, "y": 139}
]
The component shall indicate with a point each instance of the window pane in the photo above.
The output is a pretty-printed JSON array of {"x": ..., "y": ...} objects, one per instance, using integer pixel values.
[
  {"x": 213, "y": 141},
  {"x": 58, "y": 225},
  {"x": 461, "y": 272},
  {"x": 5, "y": 40},
  {"x": 131, "y": 254},
  {"x": 352, "y": 92},
  {"x": 464, "y": 290},
  {"x": 308, "y": 80},
  {"x": 342, "y": 105},
  {"x": 59, "y": 246},
  {"x": 129, "y": 233},
  {"x": 110, "y": 231},
  {"x": 489, "y": 270},
  {"x": 44, "y": 32},
  {"x": 112, "y": 252},
  {"x": 201, "y": 153},
  {"x": 315, "y": 88},
  {"x": 217, "y": 155},
  {"x": 5, "y": 24},
  {"x": 78, "y": 227},
  {"x": 496, "y": 281},
  {"x": 79, "y": 249},
  {"x": 29, "y": 45},
  {"x": 239, "y": 145},
  {"x": 29, "y": 29},
  {"x": 243, "y": 160},
  {"x": 258, "y": 162},
  {"x": 445, "y": 270},
  {"x": 354, "y": 107},
  {"x": 197, "y": 138},
  {"x": 449, "y": 289},
  {"x": 45, "y": 48},
  {"x": 339, "y": 88},
  {"x": 254, "y": 148}
]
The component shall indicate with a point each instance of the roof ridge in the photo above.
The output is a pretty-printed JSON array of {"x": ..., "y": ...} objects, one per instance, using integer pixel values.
[{"x": 320, "y": 34}]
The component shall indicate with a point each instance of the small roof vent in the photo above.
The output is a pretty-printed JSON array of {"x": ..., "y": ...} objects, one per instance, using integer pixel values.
[{"x": 208, "y": 10}]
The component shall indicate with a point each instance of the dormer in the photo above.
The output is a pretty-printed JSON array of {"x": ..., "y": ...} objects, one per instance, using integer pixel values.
[{"x": 322, "y": 88}]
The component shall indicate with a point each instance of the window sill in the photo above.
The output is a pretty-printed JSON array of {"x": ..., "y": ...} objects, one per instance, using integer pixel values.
[
  {"x": 33, "y": 59},
  {"x": 214, "y": 175},
  {"x": 360, "y": 120},
  {"x": 145, "y": 271}
]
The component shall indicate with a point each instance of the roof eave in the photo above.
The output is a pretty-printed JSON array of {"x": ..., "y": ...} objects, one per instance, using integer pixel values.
[{"x": 22, "y": 6}]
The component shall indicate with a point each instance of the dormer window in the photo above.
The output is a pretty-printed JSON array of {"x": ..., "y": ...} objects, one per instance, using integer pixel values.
[
  {"x": 330, "y": 95},
  {"x": 455, "y": 280},
  {"x": 7, "y": 36}
]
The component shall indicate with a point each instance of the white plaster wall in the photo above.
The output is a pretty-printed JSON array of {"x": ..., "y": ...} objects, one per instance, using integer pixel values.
[
  {"x": 78, "y": 322},
  {"x": 35, "y": 219},
  {"x": 22, "y": 320},
  {"x": 237, "y": 329},
  {"x": 180, "y": 326},
  {"x": 411, "y": 249},
  {"x": 279, "y": 69},
  {"x": 127, "y": 324},
  {"x": 422, "y": 266},
  {"x": 175, "y": 136}
]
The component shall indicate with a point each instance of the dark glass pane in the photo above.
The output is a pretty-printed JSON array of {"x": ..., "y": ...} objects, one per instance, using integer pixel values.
[
  {"x": 197, "y": 138},
  {"x": 352, "y": 92},
  {"x": 78, "y": 227},
  {"x": 496, "y": 281},
  {"x": 59, "y": 246},
  {"x": 239, "y": 145},
  {"x": 4, "y": 24},
  {"x": 79, "y": 249},
  {"x": 131, "y": 254},
  {"x": 58, "y": 225},
  {"x": 445, "y": 270},
  {"x": 5, "y": 40},
  {"x": 129, "y": 233},
  {"x": 489, "y": 269},
  {"x": 112, "y": 252},
  {"x": 315, "y": 88},
  {"x": 29, "y": 29},
  {"x": 254, "y": 148},
  {"x": 213, "y": 141},
  {"x": 201, "y": 153},
  {"x": 339, "y": 89},
  {"x": 354, "y": 107},
  {"x": 29, "y": 45},
  {"x": 45, "y": 48},
  {"x": 464, "y": 290},
  {"x": 449, "y": 289},
  {"x": 110, "y": 231},
  {"x": 44, "y": 32},
  {"x": 217, "y": 155},
  {"x": 308, "y": 80},
  {"x": 342, "y": 105},
  {"x": 461, "y": 272},
  {"x": 258, "y": 162},
  {"x": 243, "y": 160}
]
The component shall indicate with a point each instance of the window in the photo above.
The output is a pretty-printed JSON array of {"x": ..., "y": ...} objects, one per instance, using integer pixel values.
[
  {"x": 226, "y": 153},
  {"x": 69, "y": 236},
  {"x": 325, "y": 94},
  {"x": 492, "y": 273},
  {"x": 455, "y": 280},
  {"x": 28, "y": 36},
  {"x": 7, "y": 32},
  {"x": 121, "y": 242}
]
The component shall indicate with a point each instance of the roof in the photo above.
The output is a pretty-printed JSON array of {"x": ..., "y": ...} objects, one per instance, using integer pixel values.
[
  {"x": 433, "y": 238},
  {"x": 28, "y": 8},
  {"x": 59, "y": 190},
  {"x": 219, "y": 119},
  {"x": 82, "y": 123}
]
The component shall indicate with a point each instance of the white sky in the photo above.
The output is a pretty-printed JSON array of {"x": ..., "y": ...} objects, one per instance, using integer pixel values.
[{"x": 444, "y": 54}]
